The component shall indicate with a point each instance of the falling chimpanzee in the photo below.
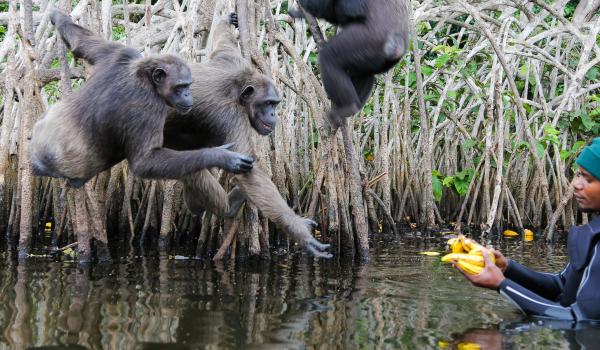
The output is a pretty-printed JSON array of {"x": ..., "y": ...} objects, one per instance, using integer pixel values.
[
  {"x": 374, "y": 37},
  {"x": 231, "y": 101},
  {"x": 120, "y": 114}
]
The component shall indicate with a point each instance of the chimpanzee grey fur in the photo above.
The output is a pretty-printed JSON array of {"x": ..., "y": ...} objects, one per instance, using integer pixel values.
[{"x": 232, "y": 101}]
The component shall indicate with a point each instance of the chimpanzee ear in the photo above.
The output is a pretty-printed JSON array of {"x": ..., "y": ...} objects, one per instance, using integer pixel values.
[
  {"x": 158, "y": 75},
  {"x": 247, "y": 93}
]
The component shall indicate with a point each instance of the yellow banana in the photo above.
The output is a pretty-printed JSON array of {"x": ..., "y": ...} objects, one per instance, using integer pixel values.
[
  {"x": 455, "y": 245},
  {"x": 470, "y": 258},
  {"x": 528, "y": 235},
  {"x": 469, "y": 268},
  {"x": 510, "y": 233},
  {"x": 469, "y": 244},
  {"x": 479, "y": 252},
  {"x": 468, "y": 346}
]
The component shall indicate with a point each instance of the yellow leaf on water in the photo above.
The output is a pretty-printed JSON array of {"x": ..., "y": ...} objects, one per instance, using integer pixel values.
[
  {"x": 528, "y": 235},
  {"x": 443, "y": 344},
  {"x": 468, "y": 346},
  {"x": 510, "y": 233},
  {"x": 430, "y": 253}
]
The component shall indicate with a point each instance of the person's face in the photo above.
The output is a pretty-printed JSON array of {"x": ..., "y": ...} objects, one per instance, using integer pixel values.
[{"x": 586, "y": 191}]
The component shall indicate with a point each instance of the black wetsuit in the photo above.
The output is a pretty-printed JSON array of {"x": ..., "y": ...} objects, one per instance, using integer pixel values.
[{"x": 572, "y": 294}]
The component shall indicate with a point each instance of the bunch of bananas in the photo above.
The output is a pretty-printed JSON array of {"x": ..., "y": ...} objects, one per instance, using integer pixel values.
[{"x": 468, "y": 254}]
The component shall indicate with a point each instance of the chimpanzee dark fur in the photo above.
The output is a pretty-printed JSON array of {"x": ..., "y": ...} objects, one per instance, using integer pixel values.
[{"x": 374, "y": 37}]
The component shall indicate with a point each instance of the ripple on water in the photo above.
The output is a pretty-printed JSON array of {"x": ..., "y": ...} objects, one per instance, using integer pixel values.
[{"x": 400, "y": 299}]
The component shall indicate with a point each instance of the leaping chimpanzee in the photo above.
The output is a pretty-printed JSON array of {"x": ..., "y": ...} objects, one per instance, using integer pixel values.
[
  {"x": 374, "y": 37},
  {"x": 232, "y": 101}
]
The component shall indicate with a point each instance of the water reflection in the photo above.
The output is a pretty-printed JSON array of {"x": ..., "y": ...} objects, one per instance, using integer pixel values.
[{"x": 399, "y": 300}]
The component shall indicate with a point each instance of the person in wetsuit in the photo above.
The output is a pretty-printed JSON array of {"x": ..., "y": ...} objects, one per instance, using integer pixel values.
[{"x": 574, "y": 293}]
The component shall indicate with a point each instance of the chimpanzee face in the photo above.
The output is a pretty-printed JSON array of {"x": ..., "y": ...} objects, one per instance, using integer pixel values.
[
  {"x": 173, "y": 83},
  {"x": 260, "y": 101}
]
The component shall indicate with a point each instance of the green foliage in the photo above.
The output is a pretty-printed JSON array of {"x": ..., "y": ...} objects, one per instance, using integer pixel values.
[
  {"x": 53, "y": 92},
  {"x": 570, "y": 9},
  {"x": 573, "y": 151},
  {"x": 4, "y": 7},
  {"x": 437, "y": 186},
  {"x": 460, "y": 181},
  {"x": 118, "y": 33},
  {"x": 468, "y": 144},
  {"x": 2, "y": 32},
  {"x": 593, "y": 73},
  {"x": 550, "y": 135}
]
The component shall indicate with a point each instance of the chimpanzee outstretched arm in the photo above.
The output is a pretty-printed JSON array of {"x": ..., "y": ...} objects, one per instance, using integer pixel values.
[
  {"x": 225, "y": 47},
  {"x": 85, "y": 44},
  {"x": 166, "y": 163},
  {"x": 202, "y": 191},
  {"x": 261, "y": 191}
]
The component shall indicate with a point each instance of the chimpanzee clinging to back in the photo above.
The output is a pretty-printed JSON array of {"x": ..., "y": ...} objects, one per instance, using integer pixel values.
[
  {"x": 374, "y": 37},
  {"x": 119, "y": 114}
]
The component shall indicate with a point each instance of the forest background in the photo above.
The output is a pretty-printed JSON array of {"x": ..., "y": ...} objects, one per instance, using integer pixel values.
[{"x": 477, "y": 127}]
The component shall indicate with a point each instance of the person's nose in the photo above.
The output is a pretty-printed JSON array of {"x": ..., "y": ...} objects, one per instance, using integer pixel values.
[{"x": 577, "y": 183}]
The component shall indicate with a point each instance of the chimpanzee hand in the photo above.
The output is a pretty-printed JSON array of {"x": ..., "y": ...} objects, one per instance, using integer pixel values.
[
  {"x": 233, "y": 19},
  {"x": 300, "y": 229},
  {"x": 234, "y": 162}
]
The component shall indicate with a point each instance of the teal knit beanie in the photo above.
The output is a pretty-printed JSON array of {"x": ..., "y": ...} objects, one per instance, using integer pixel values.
[{"x": 589, "y": 158}]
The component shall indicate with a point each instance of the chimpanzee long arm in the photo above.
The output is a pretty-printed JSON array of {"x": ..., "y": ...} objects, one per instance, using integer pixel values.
[
  {"x": 225, "y": 49},
  {"x": 85, "y": 44},
  {"x": 260, "y": 190},
  {"x": 170, "y": 164}
]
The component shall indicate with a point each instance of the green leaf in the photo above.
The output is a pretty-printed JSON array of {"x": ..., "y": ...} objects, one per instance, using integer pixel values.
[
  {"x": 539, "y": 147},
  {"x": 564, "y": 154},
  {"x": 441, "y": 60},
  {"x": 550, "y": 130},
  {"x": 448, "y": 181},
  {"x": 587, "y": 121},
  {"x": 437, "y": 188},
  {"x": 523, "y": 70},
  {"x": 462, "y": 187},
  {"x": 468, "y": 144},
  {"x": 426, "y": 70},
  {"x": 593, "y": 73},
  {"x": 578, "y": 146}
]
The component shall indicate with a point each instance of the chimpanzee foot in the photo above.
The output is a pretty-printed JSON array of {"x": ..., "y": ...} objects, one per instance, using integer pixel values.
[{"x": 338, "y": 115}]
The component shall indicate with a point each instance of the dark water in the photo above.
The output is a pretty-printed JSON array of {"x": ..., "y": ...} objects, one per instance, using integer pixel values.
[{"x": 399, "y": 300}]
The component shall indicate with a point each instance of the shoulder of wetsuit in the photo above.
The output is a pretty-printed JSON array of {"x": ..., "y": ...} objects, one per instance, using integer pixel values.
[{"x": 581, "y": 242}]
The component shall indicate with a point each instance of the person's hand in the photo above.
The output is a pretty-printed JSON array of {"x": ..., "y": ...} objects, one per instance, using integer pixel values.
[
  {"x": 490, "y": 277},
  {"x": 501, "y": 261}
]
